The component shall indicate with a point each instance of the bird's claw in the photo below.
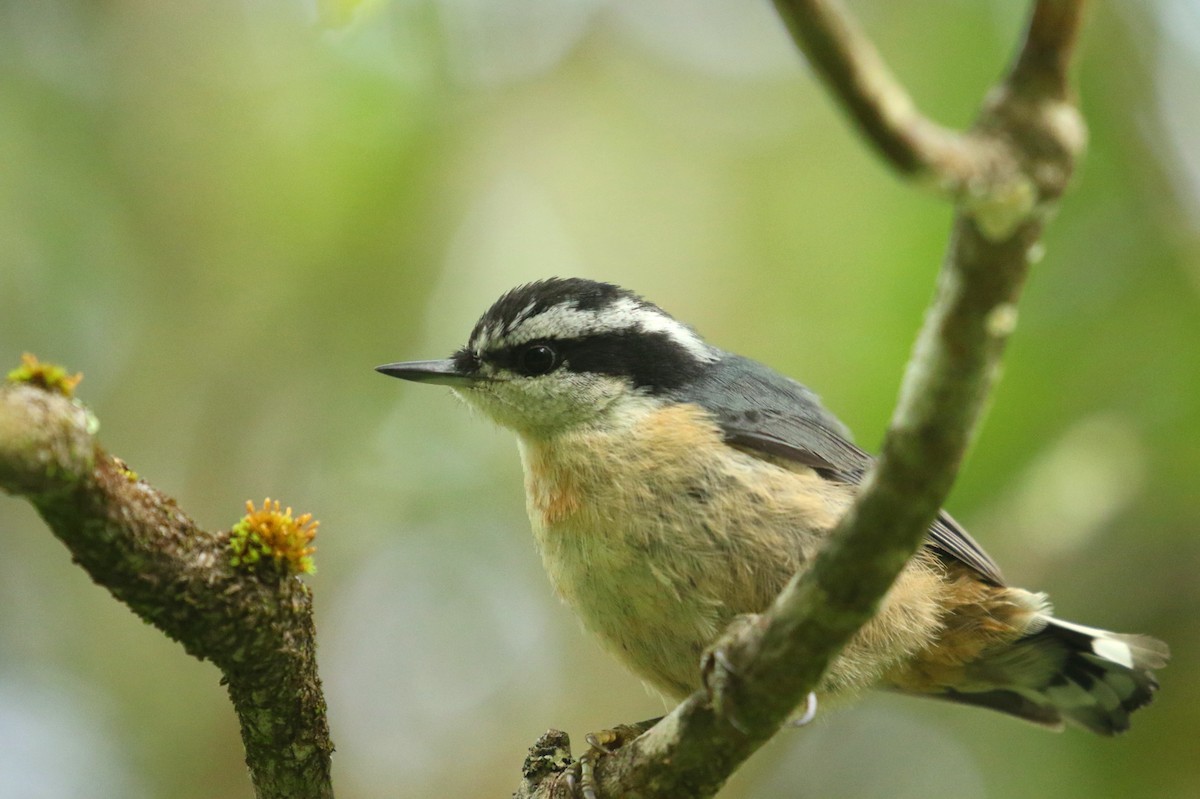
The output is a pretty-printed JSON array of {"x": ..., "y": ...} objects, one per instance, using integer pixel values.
[{"x": 810, "y": 712}]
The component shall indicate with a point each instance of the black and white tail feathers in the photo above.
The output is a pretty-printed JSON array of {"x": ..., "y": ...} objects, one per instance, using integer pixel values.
[{"x": 1067, "y": 672}]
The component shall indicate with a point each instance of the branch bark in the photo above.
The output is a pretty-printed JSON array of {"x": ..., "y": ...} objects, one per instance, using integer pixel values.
[
  {"x": 1005, "y": 174},
  {"x": 256, "y": 625}
]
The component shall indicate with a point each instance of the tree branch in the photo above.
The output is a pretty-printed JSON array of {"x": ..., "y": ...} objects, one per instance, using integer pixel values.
[
  {"x": 255, "y": 624},
  {"x": 1006, "y": 173},
  {"x": 857, "y": 77}
]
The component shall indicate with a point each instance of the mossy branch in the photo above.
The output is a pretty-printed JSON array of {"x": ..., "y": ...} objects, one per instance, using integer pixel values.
[
  {"x": 255, "y": 624},
  {"x": 1005, "y": 176}
]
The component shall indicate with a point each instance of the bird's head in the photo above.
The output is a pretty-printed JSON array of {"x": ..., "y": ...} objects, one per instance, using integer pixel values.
[{"x": 561, "y": 353}]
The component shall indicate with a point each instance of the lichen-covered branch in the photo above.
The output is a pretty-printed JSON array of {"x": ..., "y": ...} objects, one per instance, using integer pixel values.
[
  {"x": 1006, "y": 174},
  {"x": 255, "y": 624}
]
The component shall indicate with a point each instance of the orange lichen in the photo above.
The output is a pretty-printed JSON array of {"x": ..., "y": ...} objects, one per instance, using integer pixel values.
[
  {"x": 271, "y": 535},
  {"x": 49, "y": 376}
]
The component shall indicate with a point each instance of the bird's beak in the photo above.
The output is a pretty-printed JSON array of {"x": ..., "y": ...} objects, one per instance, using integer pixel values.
[{"x": 440, "y": 373}]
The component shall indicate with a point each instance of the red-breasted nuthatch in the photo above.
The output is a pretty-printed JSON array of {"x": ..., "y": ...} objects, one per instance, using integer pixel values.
[{"x": 673, "y": 487}]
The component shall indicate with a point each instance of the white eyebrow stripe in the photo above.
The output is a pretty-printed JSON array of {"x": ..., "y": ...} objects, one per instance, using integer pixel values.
[
  {"x": 626, "y": 314},
  {"x": 523, "y": 314},
  {"x": 650, "y": 320}
]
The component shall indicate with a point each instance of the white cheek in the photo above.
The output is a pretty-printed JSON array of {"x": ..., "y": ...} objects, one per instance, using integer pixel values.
[{"x": 546, "y": 405}]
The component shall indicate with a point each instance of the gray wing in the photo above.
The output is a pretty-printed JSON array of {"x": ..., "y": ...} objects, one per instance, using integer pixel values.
[{"x": 760, "y": 410}]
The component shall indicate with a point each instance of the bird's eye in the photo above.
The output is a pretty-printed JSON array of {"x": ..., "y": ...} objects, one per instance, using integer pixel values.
[{"x": 537, "y": 359}]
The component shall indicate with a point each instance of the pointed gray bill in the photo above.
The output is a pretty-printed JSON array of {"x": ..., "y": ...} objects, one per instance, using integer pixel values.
[{"x": 441, "y": 373}]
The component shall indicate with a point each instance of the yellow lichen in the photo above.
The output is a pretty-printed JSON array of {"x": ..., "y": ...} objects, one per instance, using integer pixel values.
[
  {"x": 124, "y": 469},
  {"x": 49, "y": 376},
  {"x": 269, "y": 535}
]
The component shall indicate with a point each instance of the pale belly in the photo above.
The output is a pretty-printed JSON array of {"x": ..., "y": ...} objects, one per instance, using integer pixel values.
[
  {"x": 640, "y": 608},
  {"x": 657, "y": 567}
]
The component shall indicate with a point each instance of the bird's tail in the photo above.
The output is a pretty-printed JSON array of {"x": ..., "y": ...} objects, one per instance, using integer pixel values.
[{"x": 1067, "y": 672}]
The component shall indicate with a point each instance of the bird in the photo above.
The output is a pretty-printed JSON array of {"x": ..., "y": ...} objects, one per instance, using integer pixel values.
[{"x": 673, "y": 489}]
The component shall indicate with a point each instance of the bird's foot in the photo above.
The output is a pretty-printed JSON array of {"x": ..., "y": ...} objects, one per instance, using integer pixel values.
[
  {"x": 718, "y": 673},
  {"x": 601, "y": 743}
]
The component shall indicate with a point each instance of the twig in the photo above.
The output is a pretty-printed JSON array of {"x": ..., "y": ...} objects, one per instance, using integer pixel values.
[
  {"x": 1006, "y": 173},
  {"x": 857, "y": 77},
  {"x": 255, "y": 624}
]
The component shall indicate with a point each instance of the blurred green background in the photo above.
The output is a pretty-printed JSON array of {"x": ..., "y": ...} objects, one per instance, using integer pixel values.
[{"x": 226, "y": 213}]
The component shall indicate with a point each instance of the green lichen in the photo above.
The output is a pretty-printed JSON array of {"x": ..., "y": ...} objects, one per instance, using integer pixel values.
[
  {"x": 270, "y": 536},
  {"x": 49, "y": 376}
]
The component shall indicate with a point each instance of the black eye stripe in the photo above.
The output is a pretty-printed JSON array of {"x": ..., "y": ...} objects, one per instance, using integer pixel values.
[
  {"x": 465, "y": 361},
  {"x": 502, "y": 358},
  {"x": 651, "y": 361}
]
